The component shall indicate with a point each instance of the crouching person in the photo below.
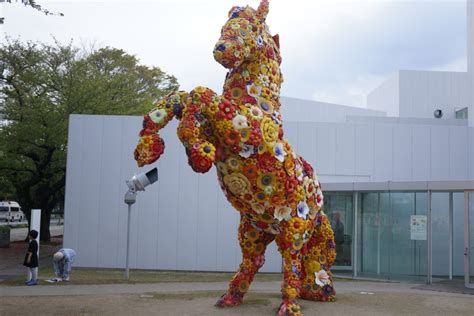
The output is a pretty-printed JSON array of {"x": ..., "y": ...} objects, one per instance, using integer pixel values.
[{"x": 62, "y": 263}]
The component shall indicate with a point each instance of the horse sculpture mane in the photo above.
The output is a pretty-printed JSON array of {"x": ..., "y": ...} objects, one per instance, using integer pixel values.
[{"x": 276, "y": 192}]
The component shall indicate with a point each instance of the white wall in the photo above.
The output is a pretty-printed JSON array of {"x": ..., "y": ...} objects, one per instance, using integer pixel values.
[
  {"x": 417, "y": 94},
  {"x": 294, "y": 109},
  {"x": 386, "y": 97},
  {"x": 470, "y": 58},
  {"x": 183, "y": 222},
  {"x": 422, "y": 92}
]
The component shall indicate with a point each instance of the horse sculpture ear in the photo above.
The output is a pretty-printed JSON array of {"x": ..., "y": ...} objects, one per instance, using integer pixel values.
[
  {"x": 276, "y": 39},
  {"x": 262, "y": 10}
]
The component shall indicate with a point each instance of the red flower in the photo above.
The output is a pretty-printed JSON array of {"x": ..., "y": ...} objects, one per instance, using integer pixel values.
[
  {"x": 248, "y": 99},
  {"x": 307, "y": 168},
  {"x": 226, "y": 110},
  {"x": 255, "y": 137},
  {"x": 291, "y": 184},
  {"x": 267, "y": 162}
]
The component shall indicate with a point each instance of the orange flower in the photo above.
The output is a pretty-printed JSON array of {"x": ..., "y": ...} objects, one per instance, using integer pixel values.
[
  {"x": 232, "y": 137},
  {"x": 250, "y": 171}
]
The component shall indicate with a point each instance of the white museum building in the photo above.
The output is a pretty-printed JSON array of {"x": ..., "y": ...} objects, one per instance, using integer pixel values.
[{"x": 400, "y": 175}]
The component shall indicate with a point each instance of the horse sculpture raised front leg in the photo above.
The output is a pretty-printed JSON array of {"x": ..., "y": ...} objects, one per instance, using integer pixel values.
[{"x": 276, "y": 192}]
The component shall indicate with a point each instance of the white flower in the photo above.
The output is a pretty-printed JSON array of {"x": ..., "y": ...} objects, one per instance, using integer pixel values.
[
  {"x": 256, "y": 112},
  {"x": 158, "y": 116},
  {"x": 254, "y": 90},
  {"x": 319, "y": 198},
  {"x": 279, "y": 151},
  {"x": 299, "y": 172},
  {"x": 264, "y": 79},
  {"x": 303, "y": 209},
  {"x": 282, "y": 213},
  {"x": 246, "y": 151},
  {"x": 322, "y": 278},
  {"x": 240, "y": 121}
]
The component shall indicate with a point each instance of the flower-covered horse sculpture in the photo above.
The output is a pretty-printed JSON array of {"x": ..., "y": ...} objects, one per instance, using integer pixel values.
[{"x": 276, "y": 192}]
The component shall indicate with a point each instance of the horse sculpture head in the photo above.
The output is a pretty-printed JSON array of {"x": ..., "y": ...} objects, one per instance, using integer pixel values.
[{"x": 245, "y": 37}]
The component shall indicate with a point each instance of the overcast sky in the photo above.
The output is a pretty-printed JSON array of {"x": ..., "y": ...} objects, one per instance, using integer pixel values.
[{"x": 333, "y": 50}]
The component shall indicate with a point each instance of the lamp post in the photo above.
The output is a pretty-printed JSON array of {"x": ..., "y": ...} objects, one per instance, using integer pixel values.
[{"x": 136, "y": 183}]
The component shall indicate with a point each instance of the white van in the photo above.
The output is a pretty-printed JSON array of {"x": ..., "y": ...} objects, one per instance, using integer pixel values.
[{"x": 11, "y": 211}]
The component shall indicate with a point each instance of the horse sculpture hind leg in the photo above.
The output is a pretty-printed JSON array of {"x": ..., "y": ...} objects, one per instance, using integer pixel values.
[
  {"x": 318, "y": 256},
  {"x": 253, "y": 243}
]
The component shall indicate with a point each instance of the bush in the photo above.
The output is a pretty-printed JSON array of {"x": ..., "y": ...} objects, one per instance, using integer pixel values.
[{"x": 4, "y": 228}]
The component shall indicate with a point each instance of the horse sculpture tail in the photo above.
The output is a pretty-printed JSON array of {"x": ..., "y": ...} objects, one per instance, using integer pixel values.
[{"x": 151, "y": 146}]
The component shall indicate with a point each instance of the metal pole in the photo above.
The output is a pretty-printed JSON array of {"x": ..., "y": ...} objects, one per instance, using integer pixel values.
[
  {"x": 430, "y": 242},
  {"x": 356, "y": 235},
  {"x": 450, "y": 230},
  {"x": 127, "y": 272},
  {"x": 466, "y": 240}
]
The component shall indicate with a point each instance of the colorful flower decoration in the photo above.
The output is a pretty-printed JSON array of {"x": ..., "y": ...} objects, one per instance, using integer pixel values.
[{"x": 277, "y": 192}]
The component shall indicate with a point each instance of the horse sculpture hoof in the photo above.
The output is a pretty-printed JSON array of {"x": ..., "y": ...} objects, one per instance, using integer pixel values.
[
  {"x": 228, "y": 300},
  {"x": 289, "y": 308}
]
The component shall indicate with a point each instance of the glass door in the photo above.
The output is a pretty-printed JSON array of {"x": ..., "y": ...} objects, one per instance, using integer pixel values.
[
  {"x": 339, "y": 208},
  {"x": 469, "y": 239}
]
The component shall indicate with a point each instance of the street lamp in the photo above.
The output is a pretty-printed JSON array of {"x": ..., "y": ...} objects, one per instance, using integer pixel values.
[{"x": 136, "y": 183}]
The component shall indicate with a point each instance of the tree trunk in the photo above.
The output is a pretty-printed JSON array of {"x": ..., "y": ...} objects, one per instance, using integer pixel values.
[{"x": 45, "y": 234}]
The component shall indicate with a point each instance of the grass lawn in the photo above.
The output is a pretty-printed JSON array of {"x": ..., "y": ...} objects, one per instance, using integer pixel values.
[{"x": 115, "y": 276}]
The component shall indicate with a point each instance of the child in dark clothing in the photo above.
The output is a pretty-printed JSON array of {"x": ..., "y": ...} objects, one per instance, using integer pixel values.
[{"x": 31, "y": 259}]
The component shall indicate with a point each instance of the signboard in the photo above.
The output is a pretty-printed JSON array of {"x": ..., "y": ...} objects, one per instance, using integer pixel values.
[{"x": 418, "y": 227}]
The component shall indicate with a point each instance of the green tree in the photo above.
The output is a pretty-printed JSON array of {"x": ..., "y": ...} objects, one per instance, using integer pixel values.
[{"x": 40, "y": 86}]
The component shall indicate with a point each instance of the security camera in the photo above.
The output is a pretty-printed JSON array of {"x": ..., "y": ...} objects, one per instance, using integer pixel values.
[
  {"x": 438, "y": 113},
  {"x": 139, "y": 181}
]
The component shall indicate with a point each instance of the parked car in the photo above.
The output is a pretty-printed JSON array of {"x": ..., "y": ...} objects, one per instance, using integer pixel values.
[{"x": 11, "y": 211}]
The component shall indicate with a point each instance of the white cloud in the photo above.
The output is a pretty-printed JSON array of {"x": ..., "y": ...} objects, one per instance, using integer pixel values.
[
  {"x": 333, "y": 50},
  {"x": 351, "y": 93},
  {"x": 458, "y": 64}
]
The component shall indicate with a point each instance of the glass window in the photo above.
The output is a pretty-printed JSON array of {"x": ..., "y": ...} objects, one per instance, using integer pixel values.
[
  {"x": 3, "y": 209},
  {"x": 462, "y": 113}
]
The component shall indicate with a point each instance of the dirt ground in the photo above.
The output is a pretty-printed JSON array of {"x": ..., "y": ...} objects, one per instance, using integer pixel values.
[
  {"x": 257, "y": 303},
  {"x": 197, "y": 298}
]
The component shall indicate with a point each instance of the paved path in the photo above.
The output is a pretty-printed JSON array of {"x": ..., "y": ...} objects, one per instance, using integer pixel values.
[
  {"x": 274, "y": 286},
  {"x": 19, "y": 234}
]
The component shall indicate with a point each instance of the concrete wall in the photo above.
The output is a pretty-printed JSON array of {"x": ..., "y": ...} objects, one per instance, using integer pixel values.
[{"x": 183, "y": 222}]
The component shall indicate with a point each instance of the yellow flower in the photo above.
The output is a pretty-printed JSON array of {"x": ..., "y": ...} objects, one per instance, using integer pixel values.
[
  {"x": 265, "y": 180},
  {"x": 244, "y": 286},
  {"x": 312, "y": 267},
  {"x": 233, "y": 163},
  {"x": 237, "y": 183},
  {"x": 269, "y": 131},
  {"x": 290, "y": 292},
  {"x": 252, "y": 235},
  {"x": 265, "y": 105},
  {"x": 207, "y": 149}
]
